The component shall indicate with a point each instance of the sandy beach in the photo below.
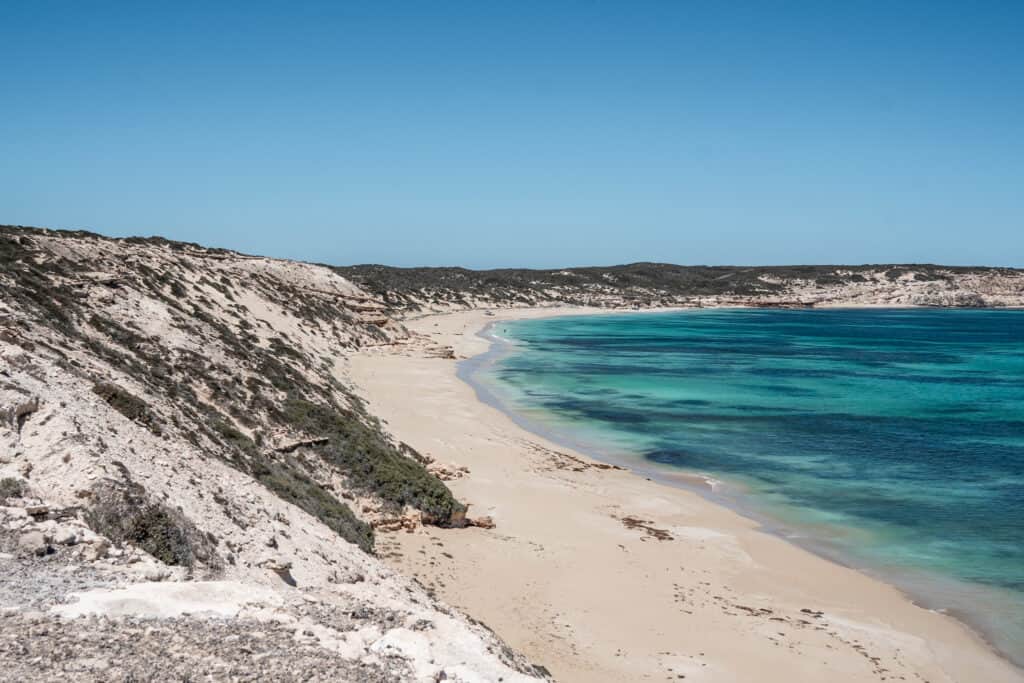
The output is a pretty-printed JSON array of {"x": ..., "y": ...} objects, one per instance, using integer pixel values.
[{"x": 602, "y": 575}]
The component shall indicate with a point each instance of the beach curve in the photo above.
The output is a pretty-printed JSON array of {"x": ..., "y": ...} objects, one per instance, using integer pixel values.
[{"x": 601, "y": 574}]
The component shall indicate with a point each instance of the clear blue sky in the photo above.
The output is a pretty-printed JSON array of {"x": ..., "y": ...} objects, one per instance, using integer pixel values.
[{"x": 523, "y": 133}]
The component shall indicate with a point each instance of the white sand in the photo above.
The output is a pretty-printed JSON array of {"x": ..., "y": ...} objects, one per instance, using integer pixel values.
[
  {"x": 568, "y": 579},
  {"x": 166, "y": 600}
]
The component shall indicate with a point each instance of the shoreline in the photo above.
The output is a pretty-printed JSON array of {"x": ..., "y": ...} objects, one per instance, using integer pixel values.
[
  {"x": 687, "y": 566},
  {"x": 731, "y": 494}
]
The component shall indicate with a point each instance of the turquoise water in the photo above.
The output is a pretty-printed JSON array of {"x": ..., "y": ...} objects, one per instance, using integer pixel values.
[{"x": 892, "y": 440}]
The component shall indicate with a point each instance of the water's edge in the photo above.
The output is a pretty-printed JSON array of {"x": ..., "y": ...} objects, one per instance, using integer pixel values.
[{"x": 713, "y": 489}]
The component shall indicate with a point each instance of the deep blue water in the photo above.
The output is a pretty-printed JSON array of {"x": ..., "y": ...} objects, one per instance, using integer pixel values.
[{"x": 891, "y": 439}]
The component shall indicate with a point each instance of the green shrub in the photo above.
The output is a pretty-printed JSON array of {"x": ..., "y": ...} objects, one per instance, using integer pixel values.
[
  {"x": 128, "y": 404},
  {"x": 124, "y": 512},
  {"x": 290, "y": 484},
  {"x": 12, "y": 488},
  {"x": 370, "y": 462},
  {"x": 232, "y": 436}
]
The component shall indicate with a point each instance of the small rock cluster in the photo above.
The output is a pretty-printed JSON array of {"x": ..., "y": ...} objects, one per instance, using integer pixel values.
[
  {"x": 447, "y": 471},
  {"x": 37, "y": 530}
]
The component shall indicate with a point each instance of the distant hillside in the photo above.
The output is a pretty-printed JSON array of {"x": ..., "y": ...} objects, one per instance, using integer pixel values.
[{"x": 644, "y": 285}]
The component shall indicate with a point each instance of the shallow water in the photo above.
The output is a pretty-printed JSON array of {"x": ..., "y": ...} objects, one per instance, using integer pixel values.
[{"x": 890, "y": 439}]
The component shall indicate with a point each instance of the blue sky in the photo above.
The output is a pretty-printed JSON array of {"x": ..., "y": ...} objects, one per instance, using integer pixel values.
[{"x": 524, "y": 133}]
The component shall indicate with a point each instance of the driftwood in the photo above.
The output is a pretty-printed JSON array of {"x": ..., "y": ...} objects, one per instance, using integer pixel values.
[
  {"x": 110, "y": 281},
  {"x": 289, "y": 447}
]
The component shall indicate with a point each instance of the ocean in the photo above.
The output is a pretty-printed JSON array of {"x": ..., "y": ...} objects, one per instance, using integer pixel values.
[{"x": 891, "y": 440}]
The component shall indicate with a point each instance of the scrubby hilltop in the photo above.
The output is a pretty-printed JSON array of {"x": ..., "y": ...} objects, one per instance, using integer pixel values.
[
  {"x": 179, "y": 416},
  {"x": 647, "y": 285}
]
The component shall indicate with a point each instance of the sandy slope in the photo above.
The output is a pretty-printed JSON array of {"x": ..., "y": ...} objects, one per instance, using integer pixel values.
[
  {"x": 602, "y": 575},
  {"x": 123, "y": 366}
]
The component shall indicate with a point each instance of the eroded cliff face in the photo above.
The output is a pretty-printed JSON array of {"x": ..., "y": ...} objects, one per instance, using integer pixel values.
[{"x": 175, "y": 422}]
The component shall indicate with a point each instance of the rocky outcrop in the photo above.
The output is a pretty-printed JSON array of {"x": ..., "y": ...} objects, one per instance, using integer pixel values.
[
  {"x": 71, "y": 612},
  {"x": 484, "y": 522},
  {"x": 447, "y": 471}
]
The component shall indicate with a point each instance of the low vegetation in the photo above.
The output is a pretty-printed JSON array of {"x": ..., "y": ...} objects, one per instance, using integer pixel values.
[
  {"x": 128, "y": 404},
  {"x": 370, "y": 462},
  {"x": 12, "y": 488},
  {"x": 291, "y": 484},
  {"x": 124, "y": 512}
]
